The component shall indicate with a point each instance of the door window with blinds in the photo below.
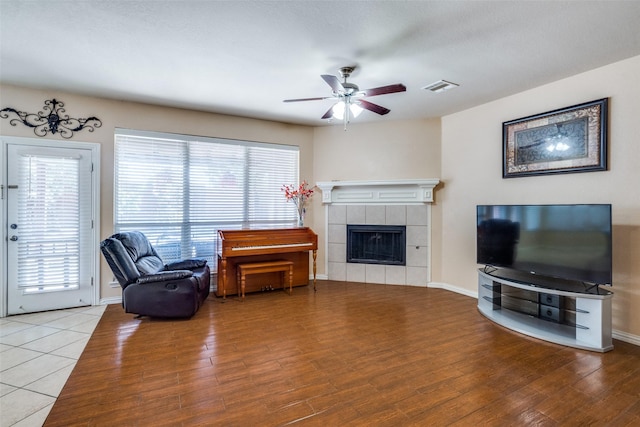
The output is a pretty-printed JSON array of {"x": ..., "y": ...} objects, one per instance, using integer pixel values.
[
  {"x": 180, "y": 190},
  {"x": 49, "y": 217}
]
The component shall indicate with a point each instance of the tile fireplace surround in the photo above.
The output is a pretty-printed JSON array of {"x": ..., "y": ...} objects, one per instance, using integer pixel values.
[{"x": 398, "y": 202}]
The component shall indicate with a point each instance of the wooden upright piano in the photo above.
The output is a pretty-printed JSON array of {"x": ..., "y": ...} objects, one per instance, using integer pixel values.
[{"x": 245, "y": 246}]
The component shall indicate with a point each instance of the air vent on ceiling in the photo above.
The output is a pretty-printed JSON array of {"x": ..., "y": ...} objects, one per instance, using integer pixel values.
[{"x": 440, "y": 86}]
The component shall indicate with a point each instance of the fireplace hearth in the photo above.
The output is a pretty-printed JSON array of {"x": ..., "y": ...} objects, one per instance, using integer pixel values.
[{"x": 376, "y": 244}]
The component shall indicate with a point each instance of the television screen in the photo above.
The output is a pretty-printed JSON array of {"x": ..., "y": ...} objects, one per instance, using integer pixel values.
[{"x": 561, "y": 241}]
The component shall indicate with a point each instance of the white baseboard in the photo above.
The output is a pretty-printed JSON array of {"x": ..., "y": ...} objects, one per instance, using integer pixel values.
[
  {"x": 110, "y": 300},
  {"x": 448, "y": 287},
  {"x": 626, "y": 337}
]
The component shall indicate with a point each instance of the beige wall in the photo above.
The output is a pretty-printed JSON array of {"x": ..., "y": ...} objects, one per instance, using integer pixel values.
[
  {"x": 463, "y": 149},
  {"x": 116, "y": 114},
  {"x": 402, "y": 149},
  {"x": 472, "y": 171}
]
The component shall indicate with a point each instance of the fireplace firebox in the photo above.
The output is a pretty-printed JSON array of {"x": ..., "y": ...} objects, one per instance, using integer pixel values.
[{"x": 376, "y": 244}]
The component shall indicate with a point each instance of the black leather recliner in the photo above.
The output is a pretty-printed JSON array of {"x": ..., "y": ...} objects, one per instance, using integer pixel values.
[{"x": 149, "y": 287}]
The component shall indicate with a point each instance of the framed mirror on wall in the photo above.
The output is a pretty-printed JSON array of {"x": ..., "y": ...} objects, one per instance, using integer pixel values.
[{"x": 567, "y": 140}]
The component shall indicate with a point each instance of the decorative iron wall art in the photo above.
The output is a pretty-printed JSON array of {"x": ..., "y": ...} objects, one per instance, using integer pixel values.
[
  {"x": 52, "y": 119},
  {"x": 571, "y": 139}
]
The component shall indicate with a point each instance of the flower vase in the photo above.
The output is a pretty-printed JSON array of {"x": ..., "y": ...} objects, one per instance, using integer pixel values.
[{"x": 301, "y": 218}]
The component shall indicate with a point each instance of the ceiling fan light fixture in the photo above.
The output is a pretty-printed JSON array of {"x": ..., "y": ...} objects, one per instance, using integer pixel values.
[
  {"x": 355, "y": 110},
  {"x": 440, "y": 86},
  {"x": 338, "y": 110}
]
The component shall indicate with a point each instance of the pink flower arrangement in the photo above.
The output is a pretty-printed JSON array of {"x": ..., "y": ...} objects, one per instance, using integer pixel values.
[{"x": 299, "y": 195}]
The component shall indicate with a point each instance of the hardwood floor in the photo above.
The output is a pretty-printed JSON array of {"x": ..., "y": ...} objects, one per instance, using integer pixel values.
[{"x": 350, "y": 354}]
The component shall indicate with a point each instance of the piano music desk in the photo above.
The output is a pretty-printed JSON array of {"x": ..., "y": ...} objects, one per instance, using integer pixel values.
[{"x": 283, "y": 266}]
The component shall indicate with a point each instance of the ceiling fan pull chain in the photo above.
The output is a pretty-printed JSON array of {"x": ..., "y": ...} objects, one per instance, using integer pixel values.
[{"x": 347, "y": 108}]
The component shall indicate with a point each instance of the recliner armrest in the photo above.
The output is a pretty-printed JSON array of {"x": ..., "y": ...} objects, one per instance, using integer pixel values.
[
  {"x": 187, "y": 264},
  {"x": 164, "y": 276}
]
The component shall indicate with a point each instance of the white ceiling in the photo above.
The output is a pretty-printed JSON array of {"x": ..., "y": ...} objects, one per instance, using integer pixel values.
[{"x": 245, "y": 57}]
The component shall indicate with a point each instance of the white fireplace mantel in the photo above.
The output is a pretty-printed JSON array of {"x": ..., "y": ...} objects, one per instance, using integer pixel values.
[{"x": 389, "y": 192}]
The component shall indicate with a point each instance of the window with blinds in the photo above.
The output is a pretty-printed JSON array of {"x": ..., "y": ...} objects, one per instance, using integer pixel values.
[
  {"x": 180, "y": 190},
  {"x": 49, "y": 214}
]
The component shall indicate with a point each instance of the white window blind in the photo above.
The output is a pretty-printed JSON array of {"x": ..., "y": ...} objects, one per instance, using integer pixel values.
[
  {"x": 49, "y": 217},
  {"x": 180, "y": 190}
]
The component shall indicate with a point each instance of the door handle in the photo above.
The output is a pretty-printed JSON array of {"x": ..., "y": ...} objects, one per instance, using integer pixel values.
[{"x": 13, "y": 238}]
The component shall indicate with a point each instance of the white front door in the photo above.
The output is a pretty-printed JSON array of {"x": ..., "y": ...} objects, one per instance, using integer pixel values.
[{"x": 49, "y": 228}]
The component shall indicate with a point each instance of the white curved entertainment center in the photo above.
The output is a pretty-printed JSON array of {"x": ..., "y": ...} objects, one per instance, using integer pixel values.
[{"x": 559, "y": 311}]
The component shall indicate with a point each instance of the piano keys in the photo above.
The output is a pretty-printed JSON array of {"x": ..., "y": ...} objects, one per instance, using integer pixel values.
[{"x": 245, "y": 246}]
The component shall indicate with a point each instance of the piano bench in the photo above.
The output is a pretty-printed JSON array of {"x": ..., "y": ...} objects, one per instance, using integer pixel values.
[{"x": 265, "y": 267}]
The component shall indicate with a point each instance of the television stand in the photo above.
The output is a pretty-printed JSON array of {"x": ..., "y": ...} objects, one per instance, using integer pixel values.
[{"x": 559, "y": 311}]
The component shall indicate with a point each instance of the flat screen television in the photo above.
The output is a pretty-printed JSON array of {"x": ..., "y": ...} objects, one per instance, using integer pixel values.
[{"x": 570, "y": 242}]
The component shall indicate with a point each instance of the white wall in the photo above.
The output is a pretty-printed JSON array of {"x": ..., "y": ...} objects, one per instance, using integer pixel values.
[{"x": 472, "y": 174}]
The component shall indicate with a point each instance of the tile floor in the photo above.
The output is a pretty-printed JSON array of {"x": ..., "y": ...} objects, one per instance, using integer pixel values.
[{"x": 37, "y": 354}]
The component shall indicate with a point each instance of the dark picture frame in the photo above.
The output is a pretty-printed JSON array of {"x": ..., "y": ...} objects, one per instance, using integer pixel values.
[{"x": 567, "y": 140}]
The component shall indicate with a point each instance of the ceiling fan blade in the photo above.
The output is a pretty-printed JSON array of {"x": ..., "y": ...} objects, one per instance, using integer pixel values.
[
  {"x": 329, "y": 113},
  {"x": 333, "y": 82},
  {"x": 308, "y": 99},
  {"x": 373, "y": 107},
  {"x": 385, "y": 89}
]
